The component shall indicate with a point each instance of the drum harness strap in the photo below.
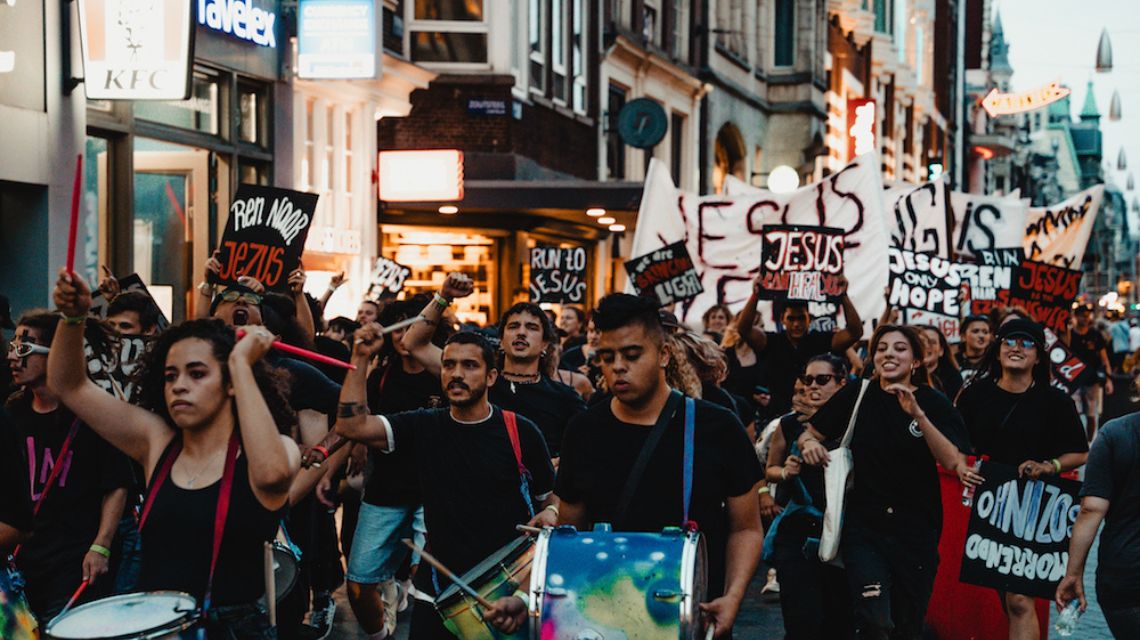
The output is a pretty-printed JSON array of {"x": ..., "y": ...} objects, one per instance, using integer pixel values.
[
  {"x": 220, "y": 513},
  {"x": 511, "y": 420},
  {"x": 651, "y": 442},
  {"x": 60, "y": 463}
]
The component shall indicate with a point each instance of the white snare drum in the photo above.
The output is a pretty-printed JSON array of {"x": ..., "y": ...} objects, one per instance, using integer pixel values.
[
  {"x": 617, "y": 585},
  {"x": 149, "y": 615}
]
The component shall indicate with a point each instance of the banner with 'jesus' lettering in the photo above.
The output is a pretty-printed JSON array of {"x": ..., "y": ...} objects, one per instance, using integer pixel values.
[{"x": 265, "y": 235}]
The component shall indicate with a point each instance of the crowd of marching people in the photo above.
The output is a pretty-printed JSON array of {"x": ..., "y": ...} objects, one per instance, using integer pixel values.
[{"x": 416, "y": 427}]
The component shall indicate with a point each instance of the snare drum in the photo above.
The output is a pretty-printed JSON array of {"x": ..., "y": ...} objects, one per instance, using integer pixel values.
[
  {"x": 149, "y": 615},
  {"x": 494, "y": 578},
  {"x": 617, "y": 586}
]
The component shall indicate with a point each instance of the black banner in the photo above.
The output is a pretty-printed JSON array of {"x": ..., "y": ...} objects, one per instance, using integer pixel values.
[
  {"x": 265, "y": 235},
  {"x": 1067, "y": 368},
  {"x": 558, "y": 275},
  {"x": 667, "y": 273},
  {"x": 801, "y": 263},
  {"x": 1046, "y": 292},
  {"x": 992, "y": 275},
  {"x": 1018, "y": 536},
  {"x": 923, "y": 283},
  {"x": 111, "y": 363},
  {"x": 388, "y": 275},
  {"x": 133, "y": 282}
]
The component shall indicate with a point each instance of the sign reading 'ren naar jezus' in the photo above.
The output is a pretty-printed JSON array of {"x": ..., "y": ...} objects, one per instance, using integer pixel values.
[{"x": 265, "y": 235}]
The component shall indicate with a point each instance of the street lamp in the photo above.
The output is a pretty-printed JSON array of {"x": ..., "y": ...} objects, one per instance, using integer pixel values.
[
  {"x": 1114, "y": 107},
  {"x": 1104, "y": 53}
]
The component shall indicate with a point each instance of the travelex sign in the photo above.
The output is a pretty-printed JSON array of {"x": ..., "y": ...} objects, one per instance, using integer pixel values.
[{"x": 241, "y": 19}]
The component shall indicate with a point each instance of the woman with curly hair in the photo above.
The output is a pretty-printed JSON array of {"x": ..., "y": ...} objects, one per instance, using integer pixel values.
[{"x": 212, "y": 424}]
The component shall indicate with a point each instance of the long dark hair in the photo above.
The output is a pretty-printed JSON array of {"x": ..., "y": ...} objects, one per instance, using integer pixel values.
[
  {"x": 918, "y": 375},
  {"x": 151, "y": 375},
  {"x": 990, "y": 366}
]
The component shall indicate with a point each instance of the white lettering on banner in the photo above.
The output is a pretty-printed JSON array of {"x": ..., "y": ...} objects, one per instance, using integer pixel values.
[
  {"x": 558, "y": 275},
  {"x": 923, "y": 282},
  {"x": 723, "y": 233},
  {"x": 1059, "y": 234},
  {"x": 241, "y": 19}
]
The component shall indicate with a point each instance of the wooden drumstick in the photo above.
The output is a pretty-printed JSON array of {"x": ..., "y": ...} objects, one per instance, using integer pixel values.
[
  {"x": 270, "y": 585},
  {"x": 525, "y": 529},
  {"x": 463, "y": 586},
  {"x": 709, "y": 634}
]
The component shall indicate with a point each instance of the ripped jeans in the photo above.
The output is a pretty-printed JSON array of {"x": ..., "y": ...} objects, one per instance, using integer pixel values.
[{"x": 890, "y": 577}]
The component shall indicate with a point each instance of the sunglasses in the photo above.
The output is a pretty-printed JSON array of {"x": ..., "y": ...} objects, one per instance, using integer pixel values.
[
  {"x": 1024, "y": 343},
  {"x": 251, "y": 299},
  {"x": 25, "y": 349},
  {"x": 820, "y": 379}
]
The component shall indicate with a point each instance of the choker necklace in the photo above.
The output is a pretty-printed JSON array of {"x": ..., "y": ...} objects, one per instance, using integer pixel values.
[{"x": 530, "y": 378}]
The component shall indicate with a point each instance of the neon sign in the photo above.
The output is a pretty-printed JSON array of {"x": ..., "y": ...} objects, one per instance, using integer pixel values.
[
  {"x": 239, "y": 18},
  {"x": 1006, "y": 104},
  {"x": 860, "y": 126}
]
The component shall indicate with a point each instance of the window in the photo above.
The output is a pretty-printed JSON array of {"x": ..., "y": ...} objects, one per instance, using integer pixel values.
[
  {"x": 650, "y": 27},
  {"x": 537, "y": 31},
  {"x": 615, "y": 148},
  {"x": 785, "y": 25},
  {"x": 919, "y": 58},
  {"x": 730, "y": 26},
  {"x": 252, "y": 103},
  {"x": 680, "y": 26},
  {"x": 346, "y": 212},
  {"x": 308, "y": 162},
  {"x": 557, "y": 44},
  {"x": 199, "y": 113},
  {"x": 883, "y": 16},
  {"x": 578, "y": 57},
  {"x": 676, "y": 145},
  {"x": 448, "y": 31},
  {"x": 558, "y": 48}
]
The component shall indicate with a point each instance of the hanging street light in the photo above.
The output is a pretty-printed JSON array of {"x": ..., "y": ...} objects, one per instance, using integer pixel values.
[
  {"x": 1114, "y": 107},
  {"x": 1131, "y": 182},
  {"x": 1121, "y": 161},
  {"x": 1104, "y": 53}
]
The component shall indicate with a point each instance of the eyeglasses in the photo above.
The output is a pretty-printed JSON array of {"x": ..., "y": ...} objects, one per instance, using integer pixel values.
[
  {"x": 1024, "y": 343},
  {"x": 232, "y": 295},
  {"x": 820, "y": 379},
  {"x": 25, "y": 349}
]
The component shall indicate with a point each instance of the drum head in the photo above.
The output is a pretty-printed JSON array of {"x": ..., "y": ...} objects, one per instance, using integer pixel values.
[
  {"x": 284, "y": 570},
  {"x": 511, "y": 560},
  {"x": 133, "y": 615}
]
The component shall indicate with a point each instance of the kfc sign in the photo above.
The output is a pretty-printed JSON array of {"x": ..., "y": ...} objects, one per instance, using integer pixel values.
[{"x": 134, "y": 50}]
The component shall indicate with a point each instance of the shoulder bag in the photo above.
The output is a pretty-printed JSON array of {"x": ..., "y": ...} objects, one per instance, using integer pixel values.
[{"x": 837, "y": 477}]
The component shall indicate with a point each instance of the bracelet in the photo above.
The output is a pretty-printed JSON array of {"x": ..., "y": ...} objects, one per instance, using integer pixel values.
[
  {"x": 554, "y": 508},
  {"x": 324, "y": 451},
  {"x": 783, "y": 474},
  {"x": 441, "y": 301},
  {"x": 72, "y": 320},
  {"x": 763, "y": 490},
  {"x": 1057, "y": 464},
  {"x": 524, "y": 596},
  {"x": 101, "y": 550}
]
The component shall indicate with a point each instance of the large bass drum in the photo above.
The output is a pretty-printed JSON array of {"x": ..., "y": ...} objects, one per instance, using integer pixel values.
[
  {"x": 496, "y": 577},
  {"x": 617, "y": 586},
  {"x": 149, "y": 615}
]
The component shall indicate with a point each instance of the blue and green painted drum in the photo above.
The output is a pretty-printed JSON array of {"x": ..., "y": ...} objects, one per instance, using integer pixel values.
[
  {"x": 605, "y": 585},
  {"x": 496, "y": 577}
]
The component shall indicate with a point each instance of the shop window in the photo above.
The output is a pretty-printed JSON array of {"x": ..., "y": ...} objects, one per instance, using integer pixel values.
[
  {"x": 785, "y": 33},
  {"x": 199, "y": 113},
  {"x": 253, "y": 109},
  {"x": 432, "y": 253},
  {"x": 308, "y": 161},
  {"x": 615, "y": 148},
  {"x": 448, "y": 31},
  {"x": 92, "y": 232},
  {"x": 250, "y": 172}
]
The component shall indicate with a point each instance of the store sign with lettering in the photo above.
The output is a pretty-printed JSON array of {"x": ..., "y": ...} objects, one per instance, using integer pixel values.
[
  {"x": 997, "y": 103},
  {"x": 558, "y": 275},
  {"x": 667, "y": 273},
  {"x": 1017, "y": 540},
  {"x": 799, "y": 262},
  {"x": 388, "y": 275},
  {"x": 336, "y": 39},
  {"x": 241, "y": 19},
  {"x": 265, "y": 235},
  {"x": 924, "y": 283},
  {"x": 136, "y": 50}
]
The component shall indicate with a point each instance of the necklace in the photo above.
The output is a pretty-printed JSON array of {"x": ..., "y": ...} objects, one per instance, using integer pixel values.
[
  {"x": 201, "y": 469},
  {"x": 528, "y": 378}
]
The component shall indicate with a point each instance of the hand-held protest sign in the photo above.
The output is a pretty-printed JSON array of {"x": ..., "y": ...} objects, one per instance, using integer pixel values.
[
  {"x": 388, "y": 275},
  {"x": 1067, "y": 368},
  {"x": 798, "y": 262},
  {"x": 1046, "y": 292},
  {"x": 923, "y": 283},
  {"x": 558, "y": 275},
  {"x": 990, "y": 278},
  {"x": 132, "y": 282},
  {"x": 265, "y": 235},
  {"x": 666, "y": 273},
  {"x": 1017, "y": 540}
]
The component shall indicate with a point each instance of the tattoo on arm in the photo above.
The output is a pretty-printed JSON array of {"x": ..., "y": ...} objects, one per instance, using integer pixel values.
[{"x": 350, "y": 409}]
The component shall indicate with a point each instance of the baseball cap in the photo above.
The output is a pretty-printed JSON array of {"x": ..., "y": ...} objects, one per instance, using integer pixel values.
[{"x": 1022, "y": 327}]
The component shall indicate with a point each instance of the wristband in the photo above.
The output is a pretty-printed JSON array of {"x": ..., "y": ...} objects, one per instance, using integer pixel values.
[
  {"x": 554, "y": 508},
  {"x": 72, "y": 320},
  {"x": 1057, "y": 464},
  {"x": 524, "y": 596},
  {"x": 763, "y": 490},
  {"x": 101, "y": 550},
  {"x": 784, "y": 474},
  {"x": 324, "y": 451},
  {"x": 441, "y": 301}
]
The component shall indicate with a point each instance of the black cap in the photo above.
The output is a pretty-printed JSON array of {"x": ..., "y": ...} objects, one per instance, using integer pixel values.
[
  {"x": 670, "y": 322},
  {"x": 971, "y": 319},
  {"x": 1022, "y": 327},
  {"x": 6, "y": 314}
]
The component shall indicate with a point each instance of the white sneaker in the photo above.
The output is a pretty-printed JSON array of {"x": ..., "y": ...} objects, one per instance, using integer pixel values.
[
  {"x": 388, "y": 596},
  {"x": 403, "y": 588},
  {"x": 771, "y": 586}
]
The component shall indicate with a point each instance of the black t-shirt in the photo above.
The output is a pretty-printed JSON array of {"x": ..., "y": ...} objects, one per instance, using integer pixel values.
[
  {"x": 784, "y": 362},
  {"x": 949, "y": 380},
  {"x": 1087, "y": 347},
  {"x": 572, "y": 359},
  {"x": 178, "y": 540},
  {"x": 308, "y": 387},
  {"x": 333, "y": 349},
  {"x": 742, "y": 380},
  {"x": 470, "y": 481},
  {"x": 15, "y": 500},
  {"x": 600, "y": 451},
  {"x": 392, "y": 480},
  {"x": 1113, "y": 473},
  {"x": 68, "y": 520},
  {"x": 896, "y": 477},
  {"x": 547, "y": 403},
  {"x": 968, "y": 366},
  {"x": 1039, "y": 424}
]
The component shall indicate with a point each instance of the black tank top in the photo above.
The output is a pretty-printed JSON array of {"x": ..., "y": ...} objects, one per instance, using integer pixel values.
[{"x": 178, "y": 539}]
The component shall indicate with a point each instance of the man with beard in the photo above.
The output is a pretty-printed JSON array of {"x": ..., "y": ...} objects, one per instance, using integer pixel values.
[
  {"x": 976, "y": 334},
  {"x": 78, "y": 482},
  {"x": 526, "y": 338},
  {"x": 605, "y": 443},
  {"x": 473, "y": 490}
]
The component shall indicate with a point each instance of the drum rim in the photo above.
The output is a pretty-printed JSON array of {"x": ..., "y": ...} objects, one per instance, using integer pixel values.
[
  {"x": 286, "y": 550},
  {"x": 186, "y": 620}
]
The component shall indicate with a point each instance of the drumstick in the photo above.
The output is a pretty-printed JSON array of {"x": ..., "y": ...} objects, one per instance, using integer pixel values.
[
  {"x": 463, "y": 586},
  {"x": 74, "y": 596},
  {"x": 305, "y": 353},
  {"x": 71, "y": 238},
  {"x": 710, "y": 632},
  {"x": 406, "y": 322},
  {"x": 525, "y": 529},
  {"x": 270, "y": 585}
]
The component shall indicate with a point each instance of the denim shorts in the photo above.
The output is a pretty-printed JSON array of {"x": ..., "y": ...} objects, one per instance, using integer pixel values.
[{"x": 376, "y": 548}]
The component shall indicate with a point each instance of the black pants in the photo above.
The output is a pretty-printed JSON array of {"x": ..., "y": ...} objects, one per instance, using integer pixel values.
[
  {"x": 426, "y": 624},
  {"x": 890, "y": 575},
  {"x": 1123, "y": 623},
  {"x": 814, "y": 597}
]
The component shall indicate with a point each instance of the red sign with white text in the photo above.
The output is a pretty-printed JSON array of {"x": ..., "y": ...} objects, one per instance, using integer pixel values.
[{"x": 861, "y": 120}]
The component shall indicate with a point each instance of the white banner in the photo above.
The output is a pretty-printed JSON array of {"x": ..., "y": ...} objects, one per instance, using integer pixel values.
[
  {"x": 987, "y": 223},
  {"x": 1059, "y": 234},
  {"x": 722, "y": 233},
  {"x": 918, "y": 218}
]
